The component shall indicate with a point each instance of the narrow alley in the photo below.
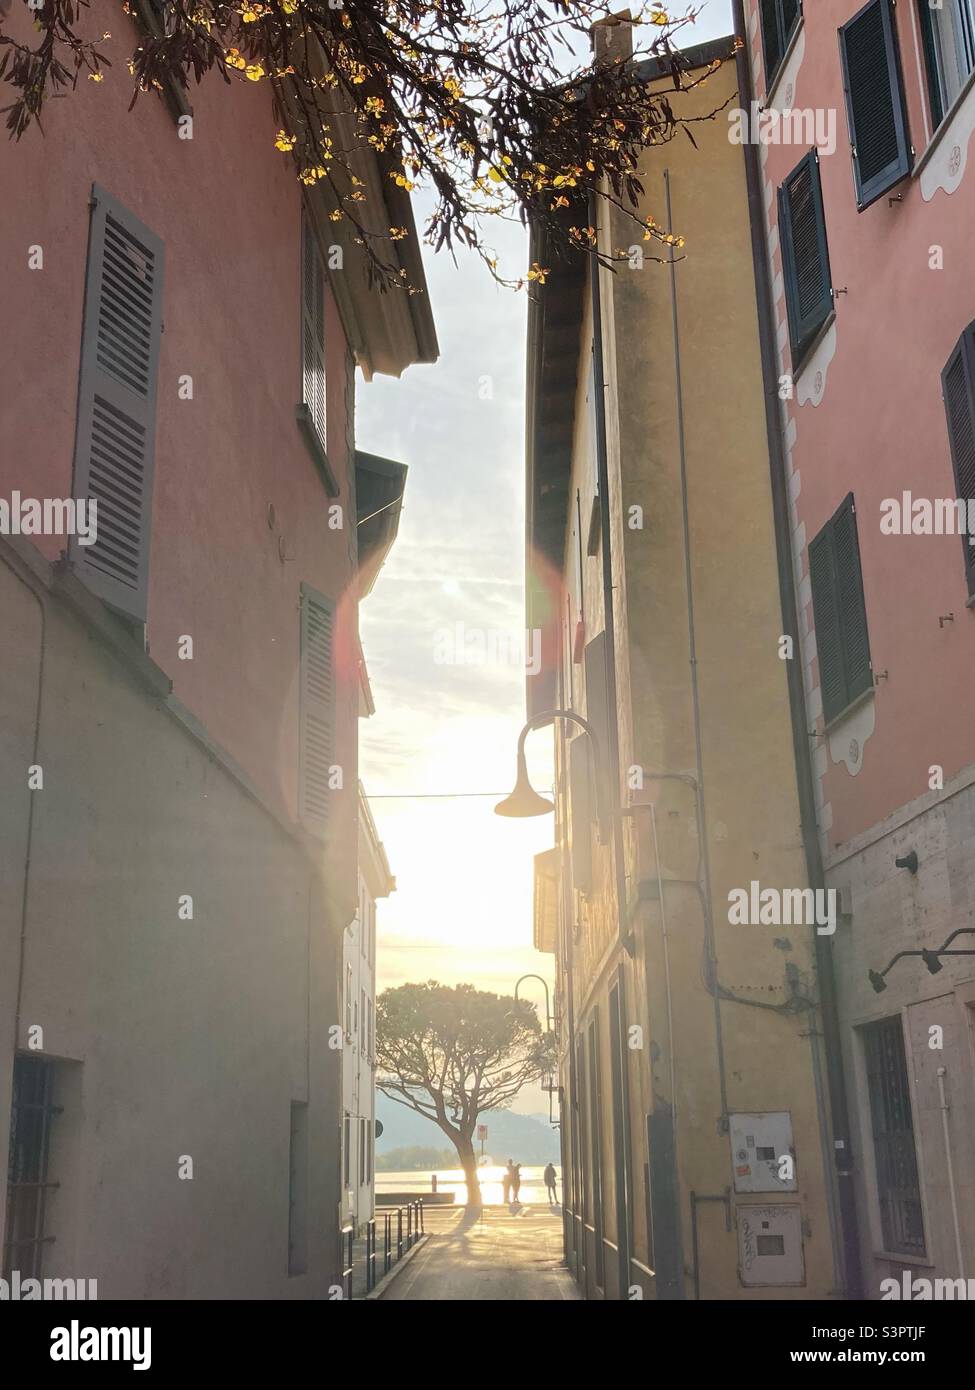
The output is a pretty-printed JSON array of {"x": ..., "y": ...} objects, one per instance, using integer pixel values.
[{"x": 491, "y": 1255}]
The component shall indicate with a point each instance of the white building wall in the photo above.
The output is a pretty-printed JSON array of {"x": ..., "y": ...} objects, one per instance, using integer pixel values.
[{"x": 358, "y": 1090}]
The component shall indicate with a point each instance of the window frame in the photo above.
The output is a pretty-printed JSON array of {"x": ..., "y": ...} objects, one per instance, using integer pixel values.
[
  {"x": 26, "y": 1197},
  {"x": 964, "y": 349},
  {"x": 783, "y": 38},
  {"x": 890, "y": 1199},
  {"x": 940, "y": 100}
]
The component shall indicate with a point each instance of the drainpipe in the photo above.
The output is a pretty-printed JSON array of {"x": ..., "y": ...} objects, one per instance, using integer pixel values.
[
  {"x": 952, "y": 1191},
  {"x": 839, "y": 1105}
]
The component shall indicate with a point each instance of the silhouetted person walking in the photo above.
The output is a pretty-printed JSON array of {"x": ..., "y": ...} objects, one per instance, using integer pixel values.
[{"x": 549, "y": 1176}]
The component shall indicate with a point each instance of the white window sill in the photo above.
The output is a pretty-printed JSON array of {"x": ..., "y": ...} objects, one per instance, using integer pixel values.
[{"x": 857, "y": 703}]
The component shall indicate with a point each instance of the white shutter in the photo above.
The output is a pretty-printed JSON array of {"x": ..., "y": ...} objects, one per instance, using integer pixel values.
[
  {"x": 313, "y": 331},
  {"x": 317, "y": 714},
  {"x": 115, "y": 441}
]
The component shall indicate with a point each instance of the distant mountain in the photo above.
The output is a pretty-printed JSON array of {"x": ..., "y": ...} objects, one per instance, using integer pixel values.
[{"x": 525, "y": 1138}]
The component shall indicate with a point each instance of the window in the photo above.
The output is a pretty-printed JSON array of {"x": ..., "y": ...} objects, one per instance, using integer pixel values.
[
  {"x": 780, "y": 18},
  {"x": 114, "y": 443},
  {"x": 28, "y": 1181},
  {"x": 298, "y": 1190},
  {"x": 364, "y": 1041},
  {"x": 311, "y": 411},
  {"x": 842, "y": 641},
  {"x": 805, "y": 256},
  {"x": 949, "y": 50},
  {"x": 874, "y": 101},
  {"x": 348, "y": 1001},
  {"x": 317, "y": 709},
  {"x": 893, "y": 1137},
  {"x": 362, "y": 1152},
  {"x": 347, "y": 1151},
  {"x": 958, "y": 389},
  {"x": 370, "y": 1039}
]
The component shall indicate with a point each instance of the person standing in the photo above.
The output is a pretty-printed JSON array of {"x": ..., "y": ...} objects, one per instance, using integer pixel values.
[
  {"x": 515, "y": 1181},
  {"x": 506, "y": 1182},
  {"x": 549, "y": 1176}
]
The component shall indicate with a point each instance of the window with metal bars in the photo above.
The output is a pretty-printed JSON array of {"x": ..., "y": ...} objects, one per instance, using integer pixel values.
[
  {"x": 895, "y": 1156},
  {"x": 28, "y": 1180},
  {"x": 780, "y": 19},
  {"x": 805, "y": 256},
  {"x": 958, "y": 390}
]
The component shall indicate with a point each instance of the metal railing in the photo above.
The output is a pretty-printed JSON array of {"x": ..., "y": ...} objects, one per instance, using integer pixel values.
[{"x": 402, "y": 1227}]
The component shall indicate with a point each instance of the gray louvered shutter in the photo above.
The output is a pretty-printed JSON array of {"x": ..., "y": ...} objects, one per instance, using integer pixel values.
[
  {"x": 115, "y": 440},
  {"x": 832, "y": 681},
  {"x": 849, "y": 601},
  {"x": 958, "y": 388},
  {"x": 805, "y": 256},
  {"x": 317, "y": 715},
  {"x": 579, "y": 753},
  {"x": 313, "y": 331},
  {"x": 598, "y": 714},
  {"x": 874, "y": 101}
]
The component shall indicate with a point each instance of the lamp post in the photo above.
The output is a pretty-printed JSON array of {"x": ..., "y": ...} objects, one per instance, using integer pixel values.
[
  {"x": 932, "y": 959},
  {"x": 524, "y": 800}
]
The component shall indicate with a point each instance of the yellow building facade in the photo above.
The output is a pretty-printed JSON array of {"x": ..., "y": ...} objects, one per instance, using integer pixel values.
[{"x": 698, "y": 1143}]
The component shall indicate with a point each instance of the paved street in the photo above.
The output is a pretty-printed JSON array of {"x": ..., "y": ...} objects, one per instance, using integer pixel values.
[{"x": 496, "y": 1256}]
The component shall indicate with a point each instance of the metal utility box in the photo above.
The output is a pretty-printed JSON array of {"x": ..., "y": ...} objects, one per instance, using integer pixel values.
[
  {"x": 770, "y": 1245},
  {"x": 759, "y": 1142}
]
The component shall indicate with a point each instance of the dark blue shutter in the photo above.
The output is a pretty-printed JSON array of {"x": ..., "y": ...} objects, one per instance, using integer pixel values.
[
  {"x": 839, "y": 611},
  {"x": 958, "y": 389},
  {"x": 874, "y": 101},
  {"x": 849, "y": 601},
  {"x": 805, "y": 257},
  {"x": 829, "y": 649}
]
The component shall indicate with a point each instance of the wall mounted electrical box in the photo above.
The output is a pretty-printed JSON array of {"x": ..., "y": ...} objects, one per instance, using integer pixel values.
[
  {"x": 762, "y": 1156},
  {"x": 770, "y": 1245}
]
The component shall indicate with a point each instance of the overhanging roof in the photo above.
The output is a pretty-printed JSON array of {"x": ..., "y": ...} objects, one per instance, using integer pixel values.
[{"x": 379, "y": 487}]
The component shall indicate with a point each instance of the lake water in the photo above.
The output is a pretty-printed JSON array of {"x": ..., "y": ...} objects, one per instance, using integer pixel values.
[{"x": 452, "y": 1180}]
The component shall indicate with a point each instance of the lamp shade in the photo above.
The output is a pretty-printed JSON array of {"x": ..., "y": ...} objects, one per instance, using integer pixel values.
[{"x": 524, "y": 801}]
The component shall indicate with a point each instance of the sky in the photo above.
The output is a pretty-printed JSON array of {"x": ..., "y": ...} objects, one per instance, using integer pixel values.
[{"x": 462, "y": 909}]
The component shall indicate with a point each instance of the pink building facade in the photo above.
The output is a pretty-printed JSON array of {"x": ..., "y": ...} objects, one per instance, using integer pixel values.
[
  {"x": 867, "y": 191},
  {"x": 181, "y": 696}
]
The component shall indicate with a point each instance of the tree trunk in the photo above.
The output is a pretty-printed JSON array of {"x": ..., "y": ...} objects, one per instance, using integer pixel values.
[{"x": 468, "y": 1161}]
